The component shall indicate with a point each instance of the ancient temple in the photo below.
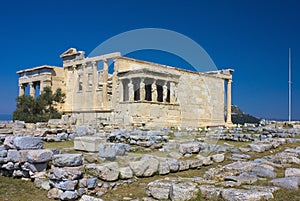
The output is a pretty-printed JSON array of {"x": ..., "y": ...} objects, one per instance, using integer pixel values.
[{"x": 112, "y": 89}]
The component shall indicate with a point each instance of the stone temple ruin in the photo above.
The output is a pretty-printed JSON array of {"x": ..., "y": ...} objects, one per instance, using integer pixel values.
[{"x": 136, "y": 93}]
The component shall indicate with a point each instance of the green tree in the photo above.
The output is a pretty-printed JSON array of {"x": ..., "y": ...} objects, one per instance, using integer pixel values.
[{"x": 39, "y": 109}]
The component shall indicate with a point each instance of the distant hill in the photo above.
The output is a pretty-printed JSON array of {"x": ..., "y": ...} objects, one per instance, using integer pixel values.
[{"x": 239, "y": 117}]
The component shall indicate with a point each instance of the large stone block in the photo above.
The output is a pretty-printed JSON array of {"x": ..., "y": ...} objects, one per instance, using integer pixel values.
[
  {"x": 159, "y": 189},
  {"x": 54, "y": 193},
  {"x": 173, "y": 164},
  {"x": 9, "y": 142},
  {"x": 146, "y": 167},
  {"x": 39, "y": 156},
  {"x": 189, "y": 148},
  {"x": 69, "y": 195},
  {"x": 183, "y": 191},
  {"x": 67, "y": 185},
  {"x": 106, "y": 172},
  {"x": 163, "y": 168},
  {"x": 88, "y": 143},
  {"x": 292, "y": 172},
  {"x": 67, "y": 160},
  {"x": 126, "y": 173},
  {"x": 286, "y": 182},
  {"x": 37, "y": 167},
  {"x": 111, "y": 150},
  {"x": 55, "y": 123},
  {"x": 89, "y": 198},
  {"x": 17, "y": 156},
  {"x": 65, "y": 173},
  {"x": 3, "y": 153},
  {"x": 241, "y": 194},
  {"x": 28, "y": 142}
]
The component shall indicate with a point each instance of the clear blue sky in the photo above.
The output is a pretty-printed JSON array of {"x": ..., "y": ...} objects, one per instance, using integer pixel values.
[{"x": 252, "y": 37}]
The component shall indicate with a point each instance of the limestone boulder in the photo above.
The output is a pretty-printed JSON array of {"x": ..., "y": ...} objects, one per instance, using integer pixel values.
[
  {"x": 257, "y": 147},
  {"x": 18, "y": 124},
  {"x": 218, "y": 158},
  {"x": 210, "y": 191},
  {"x": 126, "y": 173},
  {"x": 69, "y": 195},
  {"x": 35, "y": 167},
  {"x": 55, "y": 123},
  {"x": 28, "y": 142},
  {"x": 163, "y": 168},
  {"x": 244, "y": 178},
  {"x": 173, "y": 164},
  {"x": 67, "y": 160},
  {"x": 234, "y": 194},
  {"x": 183, "y": 191},
  {"x": 65, "y": 173},
  {"x": 89, "y": 198},
  {"x": 159, "y": 189},
  {"x": 184, "y": 165},
  {"x": 39, "y": 156},
  {"x": 54, "y": 193},
  {"x": 292, "y": 172},
  {"x": 3, "y": 153},
  {"x": 9, "y": 142},
  {"x": 263, "y": 171},
  {"x": 146, "y": 167},
  {"x": 107, "y": 172},
  {"x": 206, "y": 160},
  {"x": 67, "y": 185},
  {"x": 82, "y": 131},
  {"x": 17, "y": 156},
  {"x": 286, "y": 182},
  {"x": 91, "y": 183},
  {"x": 195, "y": 163},
  {"x": 189, "y": 148},
  {"x": 111, "y": 150}
]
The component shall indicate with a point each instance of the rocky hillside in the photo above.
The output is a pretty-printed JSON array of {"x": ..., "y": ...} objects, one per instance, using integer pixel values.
[{"x": 239, "y": 117}]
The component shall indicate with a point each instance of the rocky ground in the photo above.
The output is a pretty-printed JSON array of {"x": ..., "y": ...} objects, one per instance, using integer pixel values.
[{"x": 247, "y": 163}]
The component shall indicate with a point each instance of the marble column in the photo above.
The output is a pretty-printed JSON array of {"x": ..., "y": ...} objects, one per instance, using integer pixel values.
[
  {"x": 130, "y": 91},
  {"x": 41, "y": 87},
  {"x": 142, "y": 89},
  {"x": 228, "y": 119},
  {"x": 32, "y": 89},
  {"x": 154, "y": 91},
  {"x": 21, "y": 89},
  {"x": 95, "y": 83},
  {"x": 104, "y": 87}
]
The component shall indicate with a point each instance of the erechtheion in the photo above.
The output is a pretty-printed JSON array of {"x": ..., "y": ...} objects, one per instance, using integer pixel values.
[{"x": 133, "y": 92}]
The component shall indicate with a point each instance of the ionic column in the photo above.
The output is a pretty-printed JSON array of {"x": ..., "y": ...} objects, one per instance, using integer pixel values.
[
  {"x": 41, "y": 87},
  {"x": 165, "y": 92},
  {"x": 154, "y": 91},
  {"x": 172, "y": 92},
  {"x": 21, "y": 90},
  {"x": 104, "y": 87},
  {"x": 130, "y": 91},
  {"x": 228, "y": 119},
  {"x": 95, "y": 84},
  {"x": 142, "y": 90},
  {"x": 31, "y": 89}
]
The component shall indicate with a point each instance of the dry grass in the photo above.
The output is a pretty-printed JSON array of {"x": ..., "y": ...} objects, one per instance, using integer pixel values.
[
  {"x": 16, "y": 190},
  {"x": 59, "y": 145}
]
